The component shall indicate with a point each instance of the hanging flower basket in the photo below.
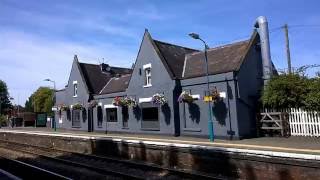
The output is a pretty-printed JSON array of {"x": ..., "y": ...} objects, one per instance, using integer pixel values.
[
  {"x": 118, "y": 101},
  {"x": 159, "y": 99},
  {"x": 215, "y": 95},
  {"x": 129, "y": 101},
  {"x": 92, "y": 103},
  {"x": 63, "y": 107},
  {"x": 77, "y": 106},
  {"x": 185, "y": 97}
]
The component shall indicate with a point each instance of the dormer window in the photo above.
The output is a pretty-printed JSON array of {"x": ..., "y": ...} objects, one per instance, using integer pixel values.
[
  {"x": 147, "y": 74},
  {"x": 75, "y": 88}
]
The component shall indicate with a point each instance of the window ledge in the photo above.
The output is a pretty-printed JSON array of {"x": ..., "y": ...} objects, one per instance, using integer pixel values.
[
  {"x": 75, "y": 96},
  {"x": 125, "y": 127},
  {"x": 192, "y": 129},
  {"x": 150, "y": 129},
  {"x": 148, "y": 85}
]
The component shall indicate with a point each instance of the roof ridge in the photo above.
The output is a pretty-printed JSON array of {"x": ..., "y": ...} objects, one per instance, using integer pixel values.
[
  {"x": 222, "y": 46},
  {"x": 99, "y": 65},
  {"x": 175, "y": 45}
]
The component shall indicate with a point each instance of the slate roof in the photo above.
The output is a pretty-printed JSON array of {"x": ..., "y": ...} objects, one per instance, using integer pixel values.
[
  {"x": 96, "y": 79},
  {"x": 173, "y": 57},
  {"x": 116, "y": 84},
  {"x": 221, "y": 59}
]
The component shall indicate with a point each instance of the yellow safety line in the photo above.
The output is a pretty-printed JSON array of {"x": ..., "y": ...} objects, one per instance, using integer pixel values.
[{"x": 220, "y": 144}]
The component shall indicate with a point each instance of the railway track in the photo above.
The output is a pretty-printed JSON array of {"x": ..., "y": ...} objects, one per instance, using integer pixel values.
[
  {"x": 27, "y": 171},
  {"x": 122, "y": 169}
]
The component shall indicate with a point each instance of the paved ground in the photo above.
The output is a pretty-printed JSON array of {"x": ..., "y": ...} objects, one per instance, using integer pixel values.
[{"x": 305, "y": 145}]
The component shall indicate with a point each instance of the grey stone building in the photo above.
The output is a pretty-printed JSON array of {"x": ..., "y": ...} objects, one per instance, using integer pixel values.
[{"x": 237, "y": 72}]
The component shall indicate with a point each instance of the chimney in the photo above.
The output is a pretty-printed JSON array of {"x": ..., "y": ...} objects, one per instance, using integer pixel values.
[
  {"x": 262, "y": 28},
  {"x": 105, "y": 67}
]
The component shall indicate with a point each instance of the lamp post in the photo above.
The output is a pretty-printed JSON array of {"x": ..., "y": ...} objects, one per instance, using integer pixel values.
[
  {"x": 54, "y": 101},
  {"x": 210, "y": 120}
]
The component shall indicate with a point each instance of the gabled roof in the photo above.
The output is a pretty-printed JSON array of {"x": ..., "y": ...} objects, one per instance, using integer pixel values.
[
  {"x": 116, "y": 84},
  {"x": 95, "y": 79},
  {"x": 222, "y": 59},
  {"x": 174, "y": 56}
]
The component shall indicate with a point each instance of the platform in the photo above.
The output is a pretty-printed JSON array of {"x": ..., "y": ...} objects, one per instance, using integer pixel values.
[
  {"x": 271, "y": 145},
  {"x": 278, "y": 158}
]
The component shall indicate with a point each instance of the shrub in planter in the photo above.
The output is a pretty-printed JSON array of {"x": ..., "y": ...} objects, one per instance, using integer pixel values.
[
  {"x": 129, "y": 101},
  {"x": 185, "y": 97},
  {"x": 92, "y": 103},
  {"x": 215, "y": 94},
  {"x": 118, "y": 101},
  {"x": 159, "y": 99},
  {"x": 77, "y": 106},
  {"x": 63, "y": 107}
]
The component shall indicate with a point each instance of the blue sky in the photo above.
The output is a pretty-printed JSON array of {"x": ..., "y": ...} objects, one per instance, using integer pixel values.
[{"x": 38, "y": 39}]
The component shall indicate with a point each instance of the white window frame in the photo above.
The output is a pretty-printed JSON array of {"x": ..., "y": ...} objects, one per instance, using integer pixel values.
[
  {"x": 75, "y": 88},
  {"x": 147, "y": 82}
]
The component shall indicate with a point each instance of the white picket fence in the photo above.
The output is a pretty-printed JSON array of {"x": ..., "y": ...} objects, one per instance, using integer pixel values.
[{"x": 301, "y": 122}]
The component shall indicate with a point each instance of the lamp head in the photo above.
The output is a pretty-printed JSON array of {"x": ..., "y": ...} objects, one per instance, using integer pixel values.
[
  {"x": 47, "y": 80},
  {"x": 194, "y": 35}
]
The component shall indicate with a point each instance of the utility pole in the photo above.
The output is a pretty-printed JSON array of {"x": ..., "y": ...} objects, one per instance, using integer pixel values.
[{"x": 285, "y": 27}]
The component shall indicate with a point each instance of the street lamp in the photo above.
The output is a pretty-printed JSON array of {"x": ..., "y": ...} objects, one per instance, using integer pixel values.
[
  {"x": 54, "y": 101},
  {"x": 210, "y": 120}
]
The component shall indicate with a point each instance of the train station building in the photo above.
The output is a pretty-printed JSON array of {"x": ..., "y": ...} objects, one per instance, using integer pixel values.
[{"x": 166, "y": 91}]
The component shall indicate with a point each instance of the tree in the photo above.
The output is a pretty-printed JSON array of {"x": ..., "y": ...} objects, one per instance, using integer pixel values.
[
  {"x": 286, "y": 91},
  {"x": 312, "y": 99},
  {"x": 28, "y": 105},
  {"x": 41, "y": 100},
  {"x": 5, "y": 103}
]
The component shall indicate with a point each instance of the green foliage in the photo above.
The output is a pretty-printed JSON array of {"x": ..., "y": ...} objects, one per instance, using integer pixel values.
[
  {"x": 28, "y": 105},
  {"x": 312, "y": 99},
  {"x": 5, "y": 103},
  {"x": 3, "y": 120},
  {"x": 41, "y": 100},
  {"x": 292, "y": 91}
]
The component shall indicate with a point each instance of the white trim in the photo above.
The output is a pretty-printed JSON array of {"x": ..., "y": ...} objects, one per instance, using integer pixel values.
[
  {"x": 107, "y": 106},
  {"x": 105, "y": 86},
  {"x": 142, "y": 100},
  {"x": 184, "y": 66},
  {"x": 195, "y": 96},
  {"x": 148, "y": 85},
  {"x": 223, "y": 94},
  {"x": 100, "y": 104},
  {"x": 146, "y": 66},
  {"x": 75, "y": 82},
  {"x": 75, "y": 96}
]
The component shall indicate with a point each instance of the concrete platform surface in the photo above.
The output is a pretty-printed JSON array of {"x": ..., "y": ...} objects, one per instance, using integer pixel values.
[{"x": 302, "y": 145}]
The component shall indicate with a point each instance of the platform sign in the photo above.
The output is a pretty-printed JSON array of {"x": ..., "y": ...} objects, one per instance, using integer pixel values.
[{"x": 41, "y": 120}]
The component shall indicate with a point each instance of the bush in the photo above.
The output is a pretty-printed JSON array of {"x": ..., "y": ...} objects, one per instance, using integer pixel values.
[
  {"x": 312, "y": 99},
  {"x": 286, "y": 91},
  {"x": 3, "y": 120}
]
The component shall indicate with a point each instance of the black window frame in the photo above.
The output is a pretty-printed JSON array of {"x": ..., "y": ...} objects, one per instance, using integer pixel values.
[
  {"x": 99, "y": 116},
  {"x": 76, "y": 118},
  {"x": 108, "y": 115}
]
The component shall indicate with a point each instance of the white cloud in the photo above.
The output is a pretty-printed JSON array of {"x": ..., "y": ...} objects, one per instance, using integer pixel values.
[{"x": 27, "y": 59}]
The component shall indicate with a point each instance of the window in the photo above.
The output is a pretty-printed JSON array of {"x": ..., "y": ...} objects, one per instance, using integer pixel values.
[
  {"x": 84, "y": 115},
  {"x": 150, "y": 118},
  {"x": 99, "y": 116},
  {"x": 75, "y": 90},
  {"x": 111, "y": 114},
  {"x": 125, "y": 116},
  {"x": 147, "y": 74},
  {"x": 76, "y": 118},
  {"x": 147, "y": 81}
]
